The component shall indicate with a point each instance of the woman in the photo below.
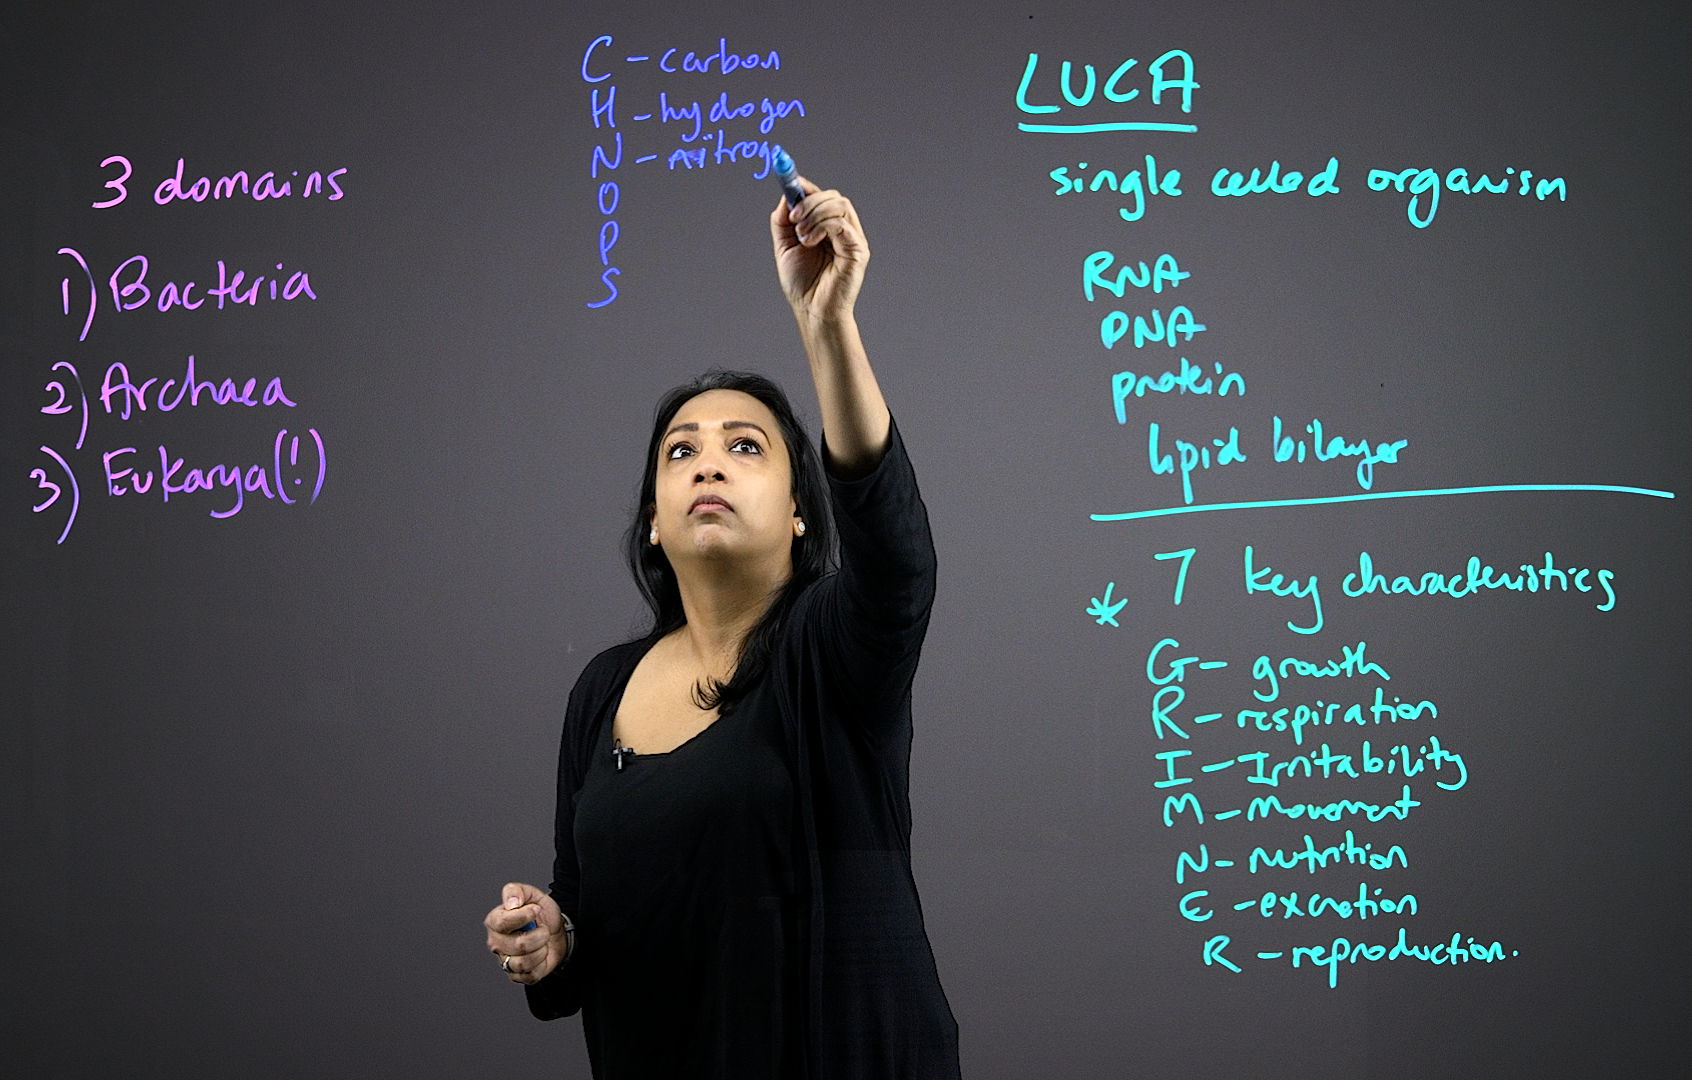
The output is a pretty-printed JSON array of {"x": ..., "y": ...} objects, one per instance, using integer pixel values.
[{"x": 732, "y": 893}]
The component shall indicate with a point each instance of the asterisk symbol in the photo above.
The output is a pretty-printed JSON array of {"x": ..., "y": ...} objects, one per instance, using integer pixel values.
[{"x": 1103, "y": 610}]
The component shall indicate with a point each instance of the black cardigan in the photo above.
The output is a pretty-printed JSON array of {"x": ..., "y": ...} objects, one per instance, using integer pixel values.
[{"x": 842, "y": 677}]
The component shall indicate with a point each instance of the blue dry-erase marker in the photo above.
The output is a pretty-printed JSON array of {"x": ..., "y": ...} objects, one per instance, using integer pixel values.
[{"x": 787, "y": 175}]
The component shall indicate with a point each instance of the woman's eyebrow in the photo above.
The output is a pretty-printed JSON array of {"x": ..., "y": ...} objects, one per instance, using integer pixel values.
[{"x": 729, "y": 425}]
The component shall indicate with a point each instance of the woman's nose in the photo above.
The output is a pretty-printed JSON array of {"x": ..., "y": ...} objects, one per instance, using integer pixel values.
[{"x": 708, "y": 469}]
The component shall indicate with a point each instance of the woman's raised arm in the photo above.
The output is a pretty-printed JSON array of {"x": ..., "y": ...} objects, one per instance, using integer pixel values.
[{"x": 820, "y": 254}]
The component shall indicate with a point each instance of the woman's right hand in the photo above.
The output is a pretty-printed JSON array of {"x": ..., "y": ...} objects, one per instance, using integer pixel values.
[
  {"x": 526, "y": 956},
  {"x": 820, "y": 254}
]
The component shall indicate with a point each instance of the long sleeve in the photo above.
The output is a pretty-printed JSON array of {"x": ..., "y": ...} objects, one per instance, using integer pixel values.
[
  {"x": 874, "y": 613},
  {"x": 560, "y": 993},
  {"x": 877, "y": 1007}
]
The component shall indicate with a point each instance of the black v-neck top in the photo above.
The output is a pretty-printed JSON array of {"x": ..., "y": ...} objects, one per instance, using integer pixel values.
[
  {"x": 866, "y": 1001},
  {"x": 687, "y": 871}
]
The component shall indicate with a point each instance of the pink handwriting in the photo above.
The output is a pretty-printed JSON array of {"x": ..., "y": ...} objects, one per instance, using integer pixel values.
[
  {"x": 130, "y": 289},
  {"x": 273, "y": 481},
  {"x": 117, "y": 384},
  {"x": 263, "y": 186}
]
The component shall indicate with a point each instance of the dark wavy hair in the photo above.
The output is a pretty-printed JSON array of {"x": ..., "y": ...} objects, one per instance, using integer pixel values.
[{"x": 813, "y": 553}]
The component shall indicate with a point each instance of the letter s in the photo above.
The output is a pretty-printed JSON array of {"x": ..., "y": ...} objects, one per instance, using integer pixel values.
[
  {"x": 1604, "y": 579},
  {"x": 609, "y": 284}
]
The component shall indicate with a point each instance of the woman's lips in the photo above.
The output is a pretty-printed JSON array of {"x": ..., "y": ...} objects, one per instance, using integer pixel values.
[{"x": 709, "y": 504}]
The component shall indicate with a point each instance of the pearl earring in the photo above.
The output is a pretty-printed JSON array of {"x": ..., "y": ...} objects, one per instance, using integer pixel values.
[
  {"x": 652, "y": 537},
  {"x": 799, "y": 528}
]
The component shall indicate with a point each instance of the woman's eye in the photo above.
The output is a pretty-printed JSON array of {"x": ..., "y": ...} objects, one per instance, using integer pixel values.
[
  {"x": 678, "y": 450},
  {"x": 746, "y": 446}
]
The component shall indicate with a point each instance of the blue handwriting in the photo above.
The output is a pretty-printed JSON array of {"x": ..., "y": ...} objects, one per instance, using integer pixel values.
[
  {"x": 1286, "y": 449},
  {"x": 1426, "y": 182},
  {"x": 1132, "y": 182},
  {"x": 1237, "y": 185},
  {"x": 1191, "y": 380},
  {"x": 1478, "y": 576},
  {"x": 1161, "y": 83},
  {"x": 1350, "y": 664},
  {"x": 1192, "y": 456}
]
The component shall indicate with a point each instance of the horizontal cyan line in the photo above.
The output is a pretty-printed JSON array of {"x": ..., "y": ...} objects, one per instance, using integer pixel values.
[
  {"x": 1062, "y": 129},
  {"x": 1370, "y": 496}
]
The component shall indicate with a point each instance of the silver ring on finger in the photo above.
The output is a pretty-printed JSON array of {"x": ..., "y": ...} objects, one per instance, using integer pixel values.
[{"x": 505, "y": 964}]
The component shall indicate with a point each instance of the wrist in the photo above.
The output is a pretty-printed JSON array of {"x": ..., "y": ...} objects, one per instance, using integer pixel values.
[
  {"x": 823, "y": 324},
  {"x": 567, "y": 932}
]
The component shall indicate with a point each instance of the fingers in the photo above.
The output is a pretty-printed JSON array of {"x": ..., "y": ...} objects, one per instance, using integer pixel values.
[
  {"x": 514, "y": 922},
  {"x": 511, "y": 920},
  {"x": 515, "y": 940},
  {"x": 521, "y": 956},
  {"x": 521, "y": 932},
  {"x": 509, "y": 925},
  {"x": 820, "y": 251},
  {"x": 548, "y": 916},
  {"x": 803, "y": 215},
  {"x": 782, "y": 219},
  {"x": 808, "y": 213},
  {"x": 524, "y": 967},
  {"x": 781, "y": 229},
  {"x": 828, "y": 215}
]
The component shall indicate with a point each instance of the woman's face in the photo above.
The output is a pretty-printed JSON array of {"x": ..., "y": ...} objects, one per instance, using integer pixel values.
[{"x": 725, "y": 487}]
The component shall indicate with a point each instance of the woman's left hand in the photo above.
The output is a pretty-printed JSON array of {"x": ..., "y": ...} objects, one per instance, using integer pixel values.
[
  {"x": 527, "y": 955},
  {"x": 820, "y": 253}
]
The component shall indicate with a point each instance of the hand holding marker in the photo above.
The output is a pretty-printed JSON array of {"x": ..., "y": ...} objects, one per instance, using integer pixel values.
[
  {"x": 819, "y": 247},
  {"x": 787, "y": 175}
]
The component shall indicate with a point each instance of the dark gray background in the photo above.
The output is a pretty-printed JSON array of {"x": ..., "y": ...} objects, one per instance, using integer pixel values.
[{"x": 262, "y": 777}]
